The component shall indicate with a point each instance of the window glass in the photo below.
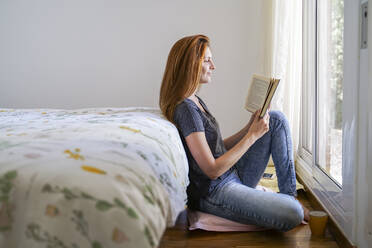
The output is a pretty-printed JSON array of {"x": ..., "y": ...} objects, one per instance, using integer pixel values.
[{"x": 330, "y": 31}]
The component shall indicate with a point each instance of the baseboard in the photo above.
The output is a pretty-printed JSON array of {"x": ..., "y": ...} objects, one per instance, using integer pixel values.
[{"x": 334, "y": 229}]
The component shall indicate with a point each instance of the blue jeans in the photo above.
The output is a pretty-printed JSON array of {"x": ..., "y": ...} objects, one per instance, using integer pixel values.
[{"x": 236, "y": 198}]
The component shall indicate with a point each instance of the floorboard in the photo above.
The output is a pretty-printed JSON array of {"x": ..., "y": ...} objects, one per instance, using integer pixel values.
[{"x": 299, "y": 237}]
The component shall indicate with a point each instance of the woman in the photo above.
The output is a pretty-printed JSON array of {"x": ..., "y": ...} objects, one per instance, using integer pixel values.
[{"x": 224, "y": 172}]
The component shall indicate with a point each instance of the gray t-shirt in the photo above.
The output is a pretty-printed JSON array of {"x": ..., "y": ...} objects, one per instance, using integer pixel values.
[{"x": 188, "y": 119}]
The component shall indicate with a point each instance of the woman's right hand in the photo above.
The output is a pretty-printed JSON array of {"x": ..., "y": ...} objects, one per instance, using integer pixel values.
[{"x": 259, "y": 126}]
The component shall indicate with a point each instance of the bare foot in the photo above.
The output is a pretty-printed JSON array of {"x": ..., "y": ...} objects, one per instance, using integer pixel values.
[{"x": 306, "y": 213}]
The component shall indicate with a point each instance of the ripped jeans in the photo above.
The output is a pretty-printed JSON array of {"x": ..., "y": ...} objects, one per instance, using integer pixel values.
[{"x": 236, "y": 198}]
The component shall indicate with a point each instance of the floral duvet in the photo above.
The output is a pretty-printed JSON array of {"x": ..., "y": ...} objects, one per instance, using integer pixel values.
[{"x": 89, "y": 178}]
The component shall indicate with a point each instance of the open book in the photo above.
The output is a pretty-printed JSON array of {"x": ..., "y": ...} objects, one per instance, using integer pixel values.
[{"x": 260, "y": 93}]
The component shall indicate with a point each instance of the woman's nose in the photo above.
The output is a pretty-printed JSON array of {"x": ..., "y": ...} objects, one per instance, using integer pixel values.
[{"x": 212, "y": 65}]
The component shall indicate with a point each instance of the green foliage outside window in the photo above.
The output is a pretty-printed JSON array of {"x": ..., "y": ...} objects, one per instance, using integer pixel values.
[{"x": 337, "y": 54}]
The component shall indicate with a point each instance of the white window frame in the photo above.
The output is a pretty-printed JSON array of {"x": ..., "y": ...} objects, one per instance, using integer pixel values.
[{"x": 339, "y": 202}]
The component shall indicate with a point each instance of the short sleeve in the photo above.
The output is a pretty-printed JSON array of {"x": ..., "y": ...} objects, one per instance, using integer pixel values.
[{"x": 188, "y": 119}]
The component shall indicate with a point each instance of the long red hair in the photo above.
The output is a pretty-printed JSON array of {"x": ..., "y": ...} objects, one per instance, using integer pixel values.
[{"x": 182, "y": 72}]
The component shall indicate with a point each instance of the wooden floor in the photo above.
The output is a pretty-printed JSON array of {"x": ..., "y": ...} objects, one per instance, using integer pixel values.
[{"x": 299, "y": 237}]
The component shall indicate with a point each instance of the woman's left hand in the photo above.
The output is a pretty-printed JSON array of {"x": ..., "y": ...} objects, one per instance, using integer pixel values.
[
  {"x": 252, "y": 117},
  {"x": 250, "y": 121}
]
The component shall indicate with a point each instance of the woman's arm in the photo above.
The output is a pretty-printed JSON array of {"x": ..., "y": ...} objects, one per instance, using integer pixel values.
[{"x": 213, "y": 168}]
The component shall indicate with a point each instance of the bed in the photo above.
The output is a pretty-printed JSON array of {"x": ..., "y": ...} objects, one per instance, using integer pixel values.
[{"x": 103, "y": 177}]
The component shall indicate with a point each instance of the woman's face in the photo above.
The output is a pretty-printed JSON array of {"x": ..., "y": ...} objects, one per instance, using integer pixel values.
[{"x": 207, "y": 67}]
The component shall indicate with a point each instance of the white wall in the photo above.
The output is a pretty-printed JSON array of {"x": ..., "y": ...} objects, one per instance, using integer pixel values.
[
  {"x": 96, "y": 53},
  {"x": 364, "y": 202},
  {"x": 368, "y": 221},
  {"x": 357, "y": 83}
]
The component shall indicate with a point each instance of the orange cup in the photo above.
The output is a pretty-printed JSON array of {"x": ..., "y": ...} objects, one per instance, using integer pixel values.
[{"x": 318, "y": 222}]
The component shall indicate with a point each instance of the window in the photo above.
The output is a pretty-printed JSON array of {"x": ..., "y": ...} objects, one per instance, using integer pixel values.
[
  {"x": 330, "y": 28},
  {"x": 333, "y": 151},
  {"x": 322, "y": 91},
  {"x": 319, "y": 161}
]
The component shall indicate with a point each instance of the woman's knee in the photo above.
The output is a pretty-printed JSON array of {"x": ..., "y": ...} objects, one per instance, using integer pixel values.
[
  {"x": 295, "y": 215},
  {"x": 278, "y": 115},
  {"x": 278, "y": 119}
]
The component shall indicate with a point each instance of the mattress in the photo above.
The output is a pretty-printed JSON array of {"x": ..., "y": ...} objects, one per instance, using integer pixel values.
[{"x": 102, "y": 177}]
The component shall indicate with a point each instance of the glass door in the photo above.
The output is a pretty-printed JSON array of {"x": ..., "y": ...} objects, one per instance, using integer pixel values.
[{"x": 329, "y": 87}]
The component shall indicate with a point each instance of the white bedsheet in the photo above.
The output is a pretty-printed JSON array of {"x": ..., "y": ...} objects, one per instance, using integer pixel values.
[{"x": 106, "y": 177}]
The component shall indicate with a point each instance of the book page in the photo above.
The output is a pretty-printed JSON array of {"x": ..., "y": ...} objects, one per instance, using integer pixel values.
[{"x": 256, "y": 94}]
